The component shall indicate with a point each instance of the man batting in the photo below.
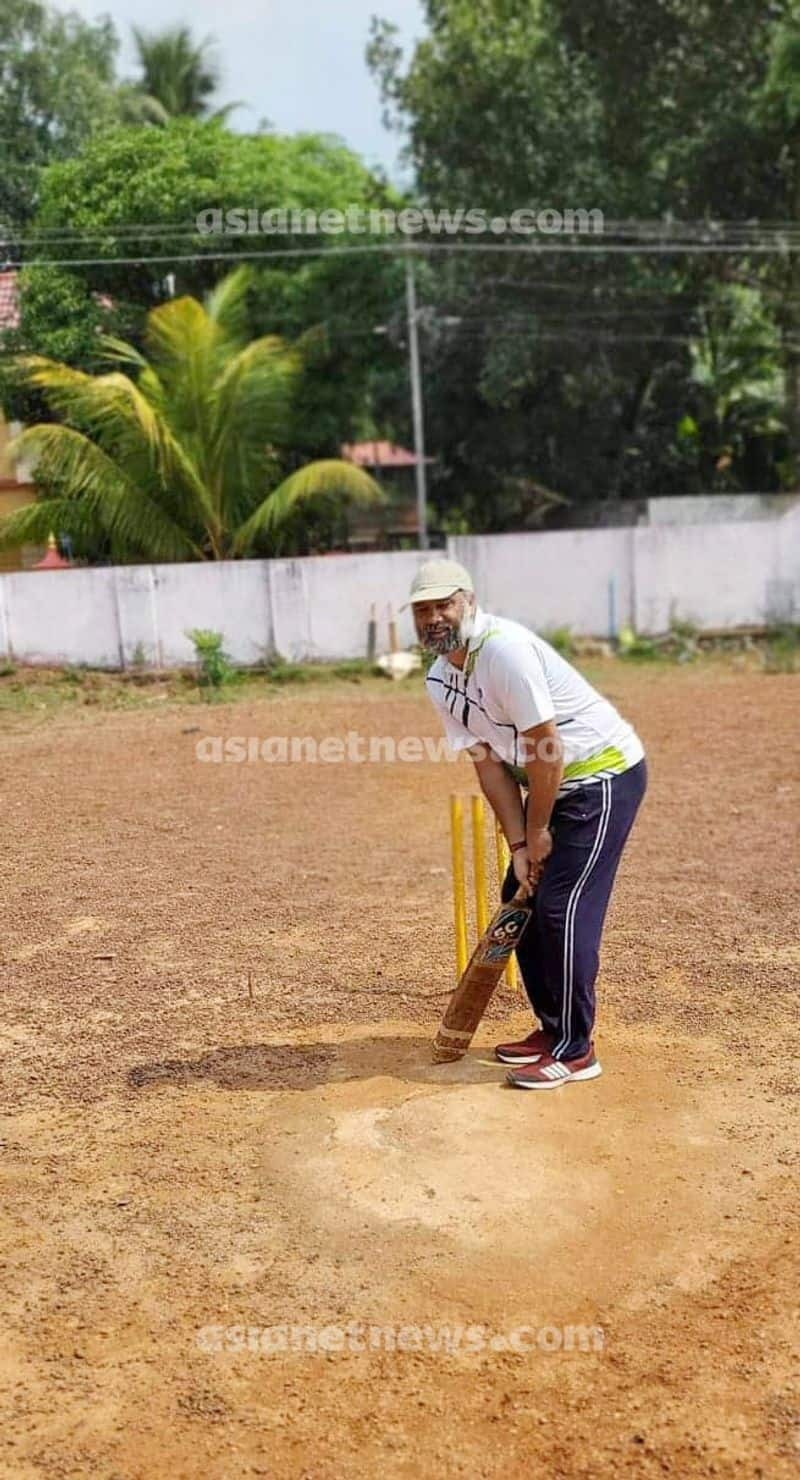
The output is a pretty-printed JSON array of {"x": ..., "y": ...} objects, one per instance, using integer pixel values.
[{"x": 532, "y": 725}]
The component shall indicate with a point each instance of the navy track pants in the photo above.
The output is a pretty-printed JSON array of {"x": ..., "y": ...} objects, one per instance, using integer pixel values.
[{"x": 559, "y": 953}]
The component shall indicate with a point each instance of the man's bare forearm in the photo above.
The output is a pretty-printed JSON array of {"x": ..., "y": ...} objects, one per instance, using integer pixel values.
[
  {"x": 545, "y": 768},
  {"x": 544, "y": 779}
]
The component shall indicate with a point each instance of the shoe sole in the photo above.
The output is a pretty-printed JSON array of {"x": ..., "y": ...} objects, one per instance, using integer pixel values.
[
  {"x": 506, "y": 1058},
  {"x": 593, "y": 1072}
]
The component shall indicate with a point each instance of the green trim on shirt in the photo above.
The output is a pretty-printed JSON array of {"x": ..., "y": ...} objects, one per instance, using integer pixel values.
[
  {"x": 472, "y": 655},
  {"x": 610, "y": 759}
]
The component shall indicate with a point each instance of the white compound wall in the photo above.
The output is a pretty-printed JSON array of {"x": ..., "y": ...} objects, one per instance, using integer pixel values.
[{"x": 593, "y": 581}]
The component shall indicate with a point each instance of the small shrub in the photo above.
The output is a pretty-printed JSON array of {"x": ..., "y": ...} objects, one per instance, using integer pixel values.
[
  {"x": 562, "y": 640},
  {"x": 634, "y": 647},
  {"x": 7, "y": 668},
  {"x": 781, "y": 652},
  {"x": 683, "y": 644},
  {"x": 215, "y": 667}
]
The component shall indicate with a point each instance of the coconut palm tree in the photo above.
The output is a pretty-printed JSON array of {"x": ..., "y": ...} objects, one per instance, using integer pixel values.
[
  {"x": 185, "y": 456},
  {"x": 179, "y": 75}
]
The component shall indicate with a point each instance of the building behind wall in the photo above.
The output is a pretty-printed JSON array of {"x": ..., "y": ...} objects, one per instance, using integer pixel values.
[
  {"x": 16, "y": 489},
  {"x": 15, "y": 492}
]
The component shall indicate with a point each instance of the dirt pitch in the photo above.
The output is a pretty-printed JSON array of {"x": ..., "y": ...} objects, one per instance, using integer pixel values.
[{"x": 179, "y": 1156}]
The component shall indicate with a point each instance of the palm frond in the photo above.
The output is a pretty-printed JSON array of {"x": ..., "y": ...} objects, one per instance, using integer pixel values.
[
  {"x": 328, "y": 478},
  {"x": 186, "y": 353},
  {"x": 113, "y": 410},
  {"x": 128, "y": 422},
  {"x": 221, "y": 115},
  {"x": 120, "y": 352},
  {"x": 177, "y": 331},
  {"x": 64, "y": 389},
  {"x": 137, "y": 106},
  {"x": 251, "y": 411},
  {"x": 80, "y": 470},
  {"x": 226, "y": 304},
  {"x": 33, "y": 523}
]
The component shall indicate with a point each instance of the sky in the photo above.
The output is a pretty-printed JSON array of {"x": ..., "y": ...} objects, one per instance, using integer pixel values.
[{"x": 299, "y": 63}]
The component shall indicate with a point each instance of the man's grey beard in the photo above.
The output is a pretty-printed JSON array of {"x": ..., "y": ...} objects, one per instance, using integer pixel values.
[{"x": 454, "y": 636}]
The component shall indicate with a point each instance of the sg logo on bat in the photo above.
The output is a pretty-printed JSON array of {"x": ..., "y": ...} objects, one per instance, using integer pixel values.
[{"x": 505, "y": 934}]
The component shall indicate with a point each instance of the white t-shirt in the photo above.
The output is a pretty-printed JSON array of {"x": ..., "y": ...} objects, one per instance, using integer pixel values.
[{"x": 513, "y": 680}]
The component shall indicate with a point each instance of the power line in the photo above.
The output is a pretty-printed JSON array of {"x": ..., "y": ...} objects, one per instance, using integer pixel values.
[
  {"x": 643, "y": 229},
  {"x": 520, "y": 249},
  {"x": 165, "y": 259}
]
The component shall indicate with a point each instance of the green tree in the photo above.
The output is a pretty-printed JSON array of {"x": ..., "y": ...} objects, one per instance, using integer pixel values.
[
  {"x": 57, "y": 311},
  {"x": 573, "y": 371},
  {"x": 56, "y": 88},
  {"x": 639, "y": 109},
  {"x": 776, "y": 113},
  {"x": 185, "y": 457},
  {"x": 737, "y": 383},
  {"x": 133, "y": 194}
]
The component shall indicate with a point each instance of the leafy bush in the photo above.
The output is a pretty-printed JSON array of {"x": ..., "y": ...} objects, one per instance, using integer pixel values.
[
  {"x": 683, "y": 645},
  {"x": 781, "y": 653},
  {"x": 632, "y": 646},
  {"x": 562, "y": 640},
  {"x": 215, "y": 667}
]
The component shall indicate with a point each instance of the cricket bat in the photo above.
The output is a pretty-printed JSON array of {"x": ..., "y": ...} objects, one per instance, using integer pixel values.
[{"x": 483, "y": 971}]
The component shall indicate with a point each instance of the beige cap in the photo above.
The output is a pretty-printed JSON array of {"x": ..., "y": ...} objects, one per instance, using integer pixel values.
[{"x": 437, "y": 579}]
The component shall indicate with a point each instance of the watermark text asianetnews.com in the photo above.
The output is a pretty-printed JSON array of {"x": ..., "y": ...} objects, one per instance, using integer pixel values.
[{"x": 356, "y": 220}]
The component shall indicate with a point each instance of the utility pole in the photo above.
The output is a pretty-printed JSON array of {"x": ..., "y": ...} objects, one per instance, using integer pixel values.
[{"x": 416, "y": 403}]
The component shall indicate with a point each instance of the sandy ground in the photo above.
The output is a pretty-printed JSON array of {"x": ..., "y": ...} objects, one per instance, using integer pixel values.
[{"x": 598, "y": 1281}]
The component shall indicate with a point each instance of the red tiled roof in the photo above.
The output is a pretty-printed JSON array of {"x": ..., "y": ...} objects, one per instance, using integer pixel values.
[
  {"x": 9, "y": 300},
  {"x": 379, "y": 455}
]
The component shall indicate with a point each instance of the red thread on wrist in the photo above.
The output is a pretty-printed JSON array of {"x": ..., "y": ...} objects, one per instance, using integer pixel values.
[{"x": 515, "y": 847}]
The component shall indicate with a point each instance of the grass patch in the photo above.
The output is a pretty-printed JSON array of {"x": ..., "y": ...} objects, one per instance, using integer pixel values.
[
  {"x": 28, "y": 689},
  {"x": 279, "y": 671},
  {"x": 781, "y": 650}
]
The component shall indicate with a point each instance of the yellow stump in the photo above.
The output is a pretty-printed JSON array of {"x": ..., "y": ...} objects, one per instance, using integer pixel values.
[
  {"x": 503, "y": 856},
  {"x": 394, "y": 646},
  {"x": 459, "y": 886},
  {"x": 479, "y": 865}
]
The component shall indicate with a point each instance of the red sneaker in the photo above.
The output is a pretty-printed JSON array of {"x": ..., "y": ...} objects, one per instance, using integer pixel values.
[
  {"x": 528, "y": 1051},
  {"x": 550, "y": 1073}
]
